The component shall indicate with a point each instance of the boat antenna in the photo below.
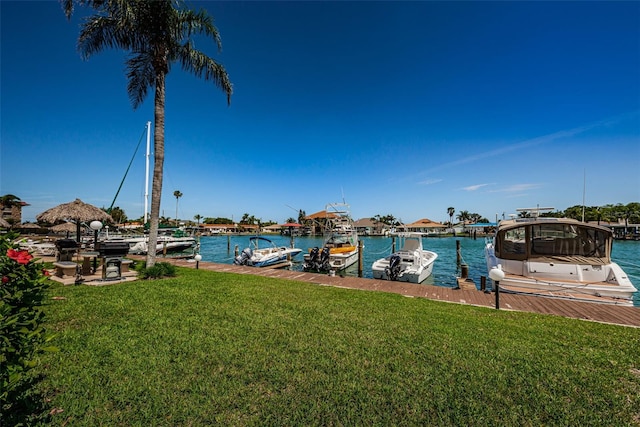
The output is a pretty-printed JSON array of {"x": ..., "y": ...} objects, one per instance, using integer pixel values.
[
  {"x": 125, "y": 174},
  {"x": 584, "y": 190}
]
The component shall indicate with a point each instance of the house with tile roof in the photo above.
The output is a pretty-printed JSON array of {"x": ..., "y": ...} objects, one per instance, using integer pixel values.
[{"x": 425, "y": 225}]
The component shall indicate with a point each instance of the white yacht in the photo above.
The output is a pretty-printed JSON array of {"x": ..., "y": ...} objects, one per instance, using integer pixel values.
[{"x": 558, "y": 257}]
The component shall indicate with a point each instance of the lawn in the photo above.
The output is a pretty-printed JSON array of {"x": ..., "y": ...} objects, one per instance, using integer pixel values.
[{"x": 208, "y": 348}]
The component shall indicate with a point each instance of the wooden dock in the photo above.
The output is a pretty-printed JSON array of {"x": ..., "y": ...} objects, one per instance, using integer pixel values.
[{"x": 604, "y": 313}]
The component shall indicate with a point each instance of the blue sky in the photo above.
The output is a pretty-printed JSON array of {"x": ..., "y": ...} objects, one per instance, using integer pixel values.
[{"x": 401, "y": 108}]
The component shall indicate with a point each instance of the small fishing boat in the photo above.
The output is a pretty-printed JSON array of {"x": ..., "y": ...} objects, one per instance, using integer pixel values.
[
  {"x": 340, "y": 245},
  {"x": 412, "y": 263},
  {"x": 558, "y": 257},
  {"x": 269, "y": 256}
]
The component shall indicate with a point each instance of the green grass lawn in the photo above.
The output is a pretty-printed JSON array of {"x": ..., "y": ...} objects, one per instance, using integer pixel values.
[{"x": 215, "y": 348}]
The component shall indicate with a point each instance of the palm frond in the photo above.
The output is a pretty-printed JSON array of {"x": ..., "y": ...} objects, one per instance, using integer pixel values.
[
  {"x": 199, "y": 23},
  {"x": 205, "y": 67},
  {"x": 141, "y": 77}
]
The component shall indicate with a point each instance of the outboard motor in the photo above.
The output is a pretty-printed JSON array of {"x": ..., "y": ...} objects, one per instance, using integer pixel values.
[
  {"x": 313, "y": 259},
  {"x": 244, "y": 258},
  {"x": 393, "y": 271},
  {"x": 324, "y": 259},
  {"x": 313, "y": 255}
]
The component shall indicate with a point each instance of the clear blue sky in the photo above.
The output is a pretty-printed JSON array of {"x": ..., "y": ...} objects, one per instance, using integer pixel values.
[{"x": 401, "y": 108}]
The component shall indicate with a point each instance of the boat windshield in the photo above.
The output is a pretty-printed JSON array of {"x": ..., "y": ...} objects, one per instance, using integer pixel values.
[{"x": 553, "y": 240}]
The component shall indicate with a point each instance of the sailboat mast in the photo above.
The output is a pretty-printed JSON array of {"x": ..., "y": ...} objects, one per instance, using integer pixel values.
[{"x": 146, "y": 174}]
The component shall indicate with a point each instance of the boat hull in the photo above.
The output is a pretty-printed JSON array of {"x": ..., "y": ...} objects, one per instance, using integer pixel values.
[
  {"x": 282, "y": 257},
  {"x": 339, "y": 259},
  {"x": 140, "y": 246},
  {"x": 409, "y": 272},
  {"x": 271, "y": 256}
]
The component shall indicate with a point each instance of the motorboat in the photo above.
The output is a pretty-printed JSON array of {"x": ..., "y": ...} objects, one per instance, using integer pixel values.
[
  {"x": 340, "y": 243},
  {"x": 165, "y": 244},
  {"x": 412, "y": 263},
  {"x": 139, "y": 244},
  {"x": 271, "y": 255},
  {"x": 557, "y": 257}
]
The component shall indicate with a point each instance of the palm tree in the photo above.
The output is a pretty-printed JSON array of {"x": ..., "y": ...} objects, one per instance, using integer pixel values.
[
  {"x": 177, "y": 194},
  {"x": 118, "y": 215},
  {"x": 156, "y": 33},
  {"x": 463, "y": 217},
  {"x": 451, "y": 211}
]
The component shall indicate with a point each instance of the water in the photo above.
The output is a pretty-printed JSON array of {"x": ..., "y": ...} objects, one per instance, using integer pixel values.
[{"x": 221, "y": 249}]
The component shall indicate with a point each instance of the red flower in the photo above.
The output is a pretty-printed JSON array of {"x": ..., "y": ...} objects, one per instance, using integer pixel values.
[
  {"x": 46, "y": 272},
  {"x": 22, "y": 257},
  {"x": 5, "y": 279}
]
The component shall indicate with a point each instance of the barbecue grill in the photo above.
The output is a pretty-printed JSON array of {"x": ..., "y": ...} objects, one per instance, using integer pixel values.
[
  {"x": 66, "y": 248},
  {"x": 112, "y": 253}
]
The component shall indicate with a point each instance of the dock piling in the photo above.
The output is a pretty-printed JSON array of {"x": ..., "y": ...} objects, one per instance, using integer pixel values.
[{"x": 360, "y": 249}]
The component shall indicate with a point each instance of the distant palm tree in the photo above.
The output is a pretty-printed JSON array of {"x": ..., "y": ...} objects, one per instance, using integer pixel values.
[
  {"x": 177, "y": 194},
  {"x": 118, "y": 215},
  {"x": 463, "y": 217},
  {"x": 451, "y": 211},
  {"x": 156, "y": 33}
]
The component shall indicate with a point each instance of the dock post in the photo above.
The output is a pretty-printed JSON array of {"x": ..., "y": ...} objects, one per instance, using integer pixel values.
[
  {"x": 228, "y": 243},
  {"x": 360, "y": 258},
  {"x": 458, "y": 255},
  {"x": 235, "y": 252},
  {"x": 483, "y": 283},
  {"x": 464, "y": 271},
  {"x": 393, "y": 244}
]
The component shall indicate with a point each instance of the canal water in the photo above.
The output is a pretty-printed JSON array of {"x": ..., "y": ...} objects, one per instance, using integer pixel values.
[{"x": 221, "y": 249}]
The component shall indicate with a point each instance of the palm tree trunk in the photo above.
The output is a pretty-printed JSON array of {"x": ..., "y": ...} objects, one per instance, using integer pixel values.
[{"x": 158, "y": 165}]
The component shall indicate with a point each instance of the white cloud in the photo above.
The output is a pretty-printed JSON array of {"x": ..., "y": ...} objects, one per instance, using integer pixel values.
[
  {"x": 429, "y": 181},
  {"x": 545, "y": 139},
  {"x": 515, "y": 188},
  {"x": 475, "y": 187}
]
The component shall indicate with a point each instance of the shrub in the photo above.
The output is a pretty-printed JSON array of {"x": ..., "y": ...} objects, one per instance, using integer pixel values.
[
  {"x": 22, "y": 336},
  {"x": 159, "y": 270}
]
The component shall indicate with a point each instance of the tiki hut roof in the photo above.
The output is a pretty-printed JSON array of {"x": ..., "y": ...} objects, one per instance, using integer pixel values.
[
  {"x": 29, "y": 225},
  {"x": 77, "y": 211},
  {"x": 64, "y": 227}
]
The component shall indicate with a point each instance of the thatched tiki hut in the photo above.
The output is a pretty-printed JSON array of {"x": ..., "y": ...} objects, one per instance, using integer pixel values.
[{"x": 76, "y": 211}]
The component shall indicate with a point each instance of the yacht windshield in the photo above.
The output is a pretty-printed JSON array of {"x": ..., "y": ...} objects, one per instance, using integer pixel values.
[{"x": 554, "y": 240}]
